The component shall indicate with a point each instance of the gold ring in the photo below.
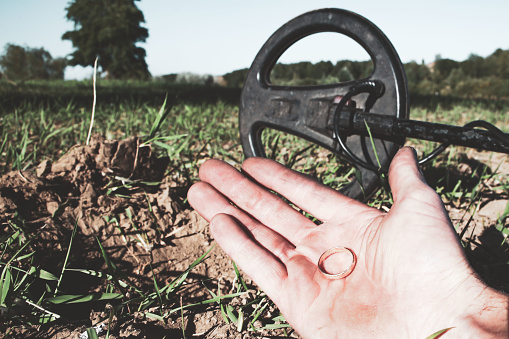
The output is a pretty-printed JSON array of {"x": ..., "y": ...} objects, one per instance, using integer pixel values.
[{"x": 343, "y": 274}]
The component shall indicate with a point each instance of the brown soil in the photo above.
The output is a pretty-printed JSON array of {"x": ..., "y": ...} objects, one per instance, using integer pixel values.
[
  {"x": 145, "y": 229},
  {"x": 479, "y": 222},
  {"x": 149, "y": 230}
]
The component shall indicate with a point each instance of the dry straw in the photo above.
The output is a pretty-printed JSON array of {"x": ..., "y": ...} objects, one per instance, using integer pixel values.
[{"x": 93, "y": 104}]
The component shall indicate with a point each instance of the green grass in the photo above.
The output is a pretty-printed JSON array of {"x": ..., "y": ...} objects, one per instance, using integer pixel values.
[
  {"x": 43, "y": 127},
  {"x": 31, "y": 134}
]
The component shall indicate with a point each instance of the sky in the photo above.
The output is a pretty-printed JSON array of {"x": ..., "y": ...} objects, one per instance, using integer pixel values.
[{"x": 217, "y": 37}]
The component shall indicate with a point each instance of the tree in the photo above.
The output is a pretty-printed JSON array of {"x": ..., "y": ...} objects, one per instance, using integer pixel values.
[
  {"x": 499, "y": 61},
  {"x": 322, "y": 69},
  {"x": 25, "y": 63},
  {"x": 108, "y": 30},
  {"x": 443, "y": 68},
  {"x": 416, "y": 74},
  {"x": 475, "y": 66}
]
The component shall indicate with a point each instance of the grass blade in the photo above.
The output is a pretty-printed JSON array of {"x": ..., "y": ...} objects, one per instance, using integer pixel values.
[
  {"x": 209, "y": 301},
  {"x": 239, "y": 277},
  {"x": 82, "y": 298},
  {"x": 156, "y": 287},
  {"x": 154, "y": 316},
  {"x": 438, "y": 334},
  {"x": 116, "y": 275},
  {"x": 373, "y": 145},
  {"x": 91, "y": 333},
  {"x": 161, "y": 116},
  {"x": 66, "y": 257},
  {"x": 177, "y": 282},
  {"x": 5, "y": 281},
  {"x": 93, "y": 104},
  {"x": 231, "y": 314}
]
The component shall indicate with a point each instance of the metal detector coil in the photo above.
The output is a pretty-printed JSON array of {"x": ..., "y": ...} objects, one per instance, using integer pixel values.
[
  {"x": 379, "y": 122},
  {"x": 307, "y": 111}
]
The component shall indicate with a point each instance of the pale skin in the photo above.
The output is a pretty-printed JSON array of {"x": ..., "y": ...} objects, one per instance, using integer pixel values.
[{"x": 411, "y": 279}]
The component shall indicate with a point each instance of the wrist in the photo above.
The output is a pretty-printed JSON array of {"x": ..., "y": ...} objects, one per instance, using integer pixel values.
[
  {"x": 486, "y": 316},
  {"x": 489, "y": 316},
  {"x": 473, "y": 310}
]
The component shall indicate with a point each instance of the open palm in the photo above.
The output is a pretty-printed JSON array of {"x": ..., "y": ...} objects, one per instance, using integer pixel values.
[{"x": 409, "y": 260}]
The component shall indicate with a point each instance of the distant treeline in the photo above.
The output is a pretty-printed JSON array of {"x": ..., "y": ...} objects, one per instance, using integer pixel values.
[
  {"x": 476, "y": 77},
  {"x": 55, "y": 94},
  {"x": 477, "y": 82}
]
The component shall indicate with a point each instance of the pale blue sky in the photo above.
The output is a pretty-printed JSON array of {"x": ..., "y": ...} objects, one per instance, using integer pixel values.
[{"x": 216, "y": 37}]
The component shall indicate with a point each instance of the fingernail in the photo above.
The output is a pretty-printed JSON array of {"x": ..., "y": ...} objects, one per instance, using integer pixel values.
[
  {"x": 417, "y": 162},
  {"x": 413, "y": 150}
]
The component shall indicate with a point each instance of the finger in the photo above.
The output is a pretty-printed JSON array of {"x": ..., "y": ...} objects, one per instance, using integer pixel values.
[
  {"x": 321, "y": 201},
  {"x": 419, "y": 208},
  {"x": 255, "y": 200},
  {"x": 209, "y": 202},
  {"x": 257, "y": 262},
  {"x": 406, "y": 179}
]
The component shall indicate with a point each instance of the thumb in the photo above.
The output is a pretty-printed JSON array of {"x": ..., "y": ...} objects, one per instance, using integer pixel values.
[{"x": 405, "y": 177}]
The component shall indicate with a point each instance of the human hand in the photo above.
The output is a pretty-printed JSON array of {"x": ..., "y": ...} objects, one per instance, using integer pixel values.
[{"x": 411, "y": 278}]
